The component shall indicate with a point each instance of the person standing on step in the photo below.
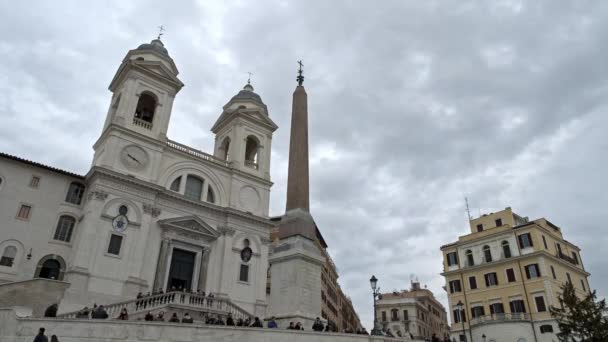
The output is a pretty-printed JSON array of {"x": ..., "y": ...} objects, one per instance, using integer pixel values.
[{"x": 41, "y": 337}]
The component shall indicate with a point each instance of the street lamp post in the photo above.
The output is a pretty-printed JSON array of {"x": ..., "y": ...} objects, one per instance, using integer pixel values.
[
  {"x": 459, "y": 306},
  {"x": 376, "y": 293}
]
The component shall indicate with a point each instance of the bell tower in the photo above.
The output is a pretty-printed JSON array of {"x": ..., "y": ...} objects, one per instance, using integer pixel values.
[
  {"x": 243, "y": 133},
  {"x": 144, "y": 88}
]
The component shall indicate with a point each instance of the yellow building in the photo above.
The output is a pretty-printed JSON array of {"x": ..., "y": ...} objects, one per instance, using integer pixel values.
[{"x": 506, "y": 274}]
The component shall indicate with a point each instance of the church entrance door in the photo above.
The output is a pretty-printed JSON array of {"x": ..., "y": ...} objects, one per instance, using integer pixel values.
[{"x": 182, "y": 269}]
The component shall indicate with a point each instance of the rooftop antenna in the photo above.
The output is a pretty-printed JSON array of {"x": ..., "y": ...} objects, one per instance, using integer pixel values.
[
  {"x": 249, "y": 79},
  {"x": 300, "y": 78},
  {"x": 466, "y": 202},
  {"x": 161, "y": 28}
]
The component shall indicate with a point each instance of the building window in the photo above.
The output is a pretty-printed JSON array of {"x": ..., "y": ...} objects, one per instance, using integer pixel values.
[
  {"x": 459, "y": 316},
  {"x": 194, "y": 188},
  {"x": 405, "y": 315},
  {"x": 473, "y": 283},
  {"x": 510, "y": 275},
  {"x": 553, "y": 272},
  {"x": 532, "y": 271},
  {"x": 244, "y": 273},
  {"x": 498, "y": 222},
  {"x": 540, "y": 304},
  {"x": 24, "y": 212},
  {"x": 8, "y": 256},
  {"x": 487, "y": 253},
  {"x": 65, "y": 227},
  {"x": 525, "y": 240},
  {"x": 491, "y": 279},
  {"x": 497, "y": 308},
  {"x": 455, "y": 286},
  {"x": 546, "y": 328},
  {"x": 75, "y": 193},
  {"x": 34, "y": 182},
  {"x": 175, "y": 184},
  {"x": 452, "y": 258},
  {"x": 575, "y": 257},
  {"x": 545, "y": 242},
  {"x": 383, "y": 316},
  {"x": 480, "y": 227},
  {"x": 477, "y": 311},
  {"x": 51, "y": 269},
  {"x": 251, "y": 152},
  {"x": 145, "y": 107},
  {"x": 395, "y": 314},
  {"x": 506, "y": 249},
  {"x": 469, "y": 256},
  {"x": 583, "y": 285},
  {"x": 568, "y": 276},
  {"x": 115, "y": 244},
  {"x": 517, "y": 306}
]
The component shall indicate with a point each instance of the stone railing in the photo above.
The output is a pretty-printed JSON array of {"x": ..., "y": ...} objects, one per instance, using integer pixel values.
[
  {"x": 196, "y": 153},
  {"x": 142, "y": 123},
  {"x": 567, "y": 258},
  {"x": 517, "y": 316},
  {"x": 193, "y": 301},
  {"x": 251, "y": 164}
]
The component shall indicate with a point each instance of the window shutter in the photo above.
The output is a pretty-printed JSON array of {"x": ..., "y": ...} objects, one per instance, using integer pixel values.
[
  {"x": 487, "y": 280},
  {"x": 537, "y": 269},
  {"x": 530, "y": 238},
  {"x": 527, "y": 268},
  {"x": 456, "y": 318},
  {"x": 452, "y": 287},
  {"x": 520, "y": 241},
  {"x": 463, "y": 316},
  {"x": 492, "y": 309},
  {"x": 512, "y": 307}
]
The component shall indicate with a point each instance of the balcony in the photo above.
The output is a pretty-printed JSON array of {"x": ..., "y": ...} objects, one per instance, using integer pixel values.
[
  {"x": 505, "y": 317},
  {"x": 569, "y": 259},
  {"x": 251, "y": 164},
  {"x": 142, "y": 123},
  {"x": 196, "y": 153}
]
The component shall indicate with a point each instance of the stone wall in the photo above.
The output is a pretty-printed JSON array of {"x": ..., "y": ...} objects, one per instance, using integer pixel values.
[
  {"x": 37, "y": 294},
  {"x": 13, "y": 329}
]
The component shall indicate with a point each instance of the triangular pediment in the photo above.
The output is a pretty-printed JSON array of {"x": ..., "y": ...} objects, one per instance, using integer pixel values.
[
  {"x": 250, "y": 115},
  {"x": 190, "y": 224}
]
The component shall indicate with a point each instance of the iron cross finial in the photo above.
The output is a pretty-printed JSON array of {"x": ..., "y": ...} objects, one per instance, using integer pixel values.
[
  {"x": 300, "y": 77},
  {"x": 161, "y": 28},
  {"x": 249, "y": 79}
]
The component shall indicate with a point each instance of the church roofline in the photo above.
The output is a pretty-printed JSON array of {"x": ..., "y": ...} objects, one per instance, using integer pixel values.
[{"x": 43, "y": 166}]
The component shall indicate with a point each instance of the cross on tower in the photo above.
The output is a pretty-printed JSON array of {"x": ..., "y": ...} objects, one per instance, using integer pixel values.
[
  {"x": 300, "y": 77},
  {"x": 249, "y": 79},
  {"x": 161, "y": 28}
]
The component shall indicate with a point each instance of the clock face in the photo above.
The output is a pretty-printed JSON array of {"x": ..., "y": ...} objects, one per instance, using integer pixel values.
[{"x": 134, "y": 157}]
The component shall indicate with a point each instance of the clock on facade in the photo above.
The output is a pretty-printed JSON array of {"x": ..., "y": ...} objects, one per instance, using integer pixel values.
[
  {"x": 134, "y": 157},
  {"x": 120, "y": 223}
]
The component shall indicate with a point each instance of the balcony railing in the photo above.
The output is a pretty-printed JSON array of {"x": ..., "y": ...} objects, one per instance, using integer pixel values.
[
  {"x": 567, "y": 258},
  {"x": 196, "y": 153},
  {"x": 142, "y": 123},
  {"x": 251, "y": 164},
  {"x": 517, "y": 316}
]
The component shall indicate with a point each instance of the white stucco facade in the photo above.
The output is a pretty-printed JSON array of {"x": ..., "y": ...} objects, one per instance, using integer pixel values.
[{"x": 147, "y": 201}]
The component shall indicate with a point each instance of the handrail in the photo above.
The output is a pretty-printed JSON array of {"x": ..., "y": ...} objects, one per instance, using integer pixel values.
[
  {"x": 223, "y": 306},
  {"x": 513, "y": 316},
  {"x": 196, "y": 153}
]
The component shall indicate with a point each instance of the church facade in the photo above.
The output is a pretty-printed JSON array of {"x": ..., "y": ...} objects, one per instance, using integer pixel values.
[{"x": 151, "y": 213}]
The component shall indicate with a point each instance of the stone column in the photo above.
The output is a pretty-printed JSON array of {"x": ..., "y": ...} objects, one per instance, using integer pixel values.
[
  {"x": 202, "y": 278},
  {"x": 161, "y": 268}
]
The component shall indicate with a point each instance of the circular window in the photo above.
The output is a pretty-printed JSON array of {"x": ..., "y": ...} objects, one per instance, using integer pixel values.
[{"x": 122, "y": 210}]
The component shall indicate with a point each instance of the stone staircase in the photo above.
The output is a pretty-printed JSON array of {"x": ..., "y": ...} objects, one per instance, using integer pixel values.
[{"x": 198, "y": 306}]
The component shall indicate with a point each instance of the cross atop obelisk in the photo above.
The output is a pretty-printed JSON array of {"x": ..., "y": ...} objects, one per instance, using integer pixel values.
[
  {"x": 300, "y": 77},
  {"x": 161, "y": 28}
]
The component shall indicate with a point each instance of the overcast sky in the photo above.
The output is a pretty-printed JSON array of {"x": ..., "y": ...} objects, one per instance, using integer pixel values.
[{"x": 412, "y": 105}]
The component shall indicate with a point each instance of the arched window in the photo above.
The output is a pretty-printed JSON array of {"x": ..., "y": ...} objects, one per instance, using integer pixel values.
[
  {"x": 194, "y": 188},
  {"x": 50, "y": 269},
  {"x": 251, "y": 152},
  {"x": 145, "y": 107},
  {"x": 65, "y": 228},
  {"x": 225, "y": 149},
  {"x": 487, "y": 253},
  {"x": 8, "y": 257},
  {"x": 210, "y": 195},
  {"x": 506, "y": 250},
  {"x": 469, "y": 256},
  {"x": 176, "y": 183},
  {"x": 75, "y": 193}
]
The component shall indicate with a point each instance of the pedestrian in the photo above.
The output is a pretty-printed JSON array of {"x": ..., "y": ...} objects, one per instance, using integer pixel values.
[
  {"x": 230, "y": 320},
  {"x": 318, "y": 325},
  {"x": 434, "y": 338},
  {"x": 327, "y": 328},
  {"x": 389, "y": 333},
  {"x": 291, "y": 326},
  {"x": 40, "y": 337},
  {"x": 160, "y": 317},
  {"x": 187, "y": 318},
  {"x": 174, "y": 318},
  {"x": 257, "y": 323},
  {"x": 272, "y": 324},
  {"x": 247, "y": 322},
  {"x": 299, "y": 326},
  {"x": 54, "y": 338},
  {"x": 124, "y": 315},
  {"x": 149, "y": 316},
  {"x": 99, "y": 313},
  {"x": 239, "y": 322}
]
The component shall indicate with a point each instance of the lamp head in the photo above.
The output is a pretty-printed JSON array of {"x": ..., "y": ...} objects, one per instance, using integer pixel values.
[{"x": 373, "y": 281}]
